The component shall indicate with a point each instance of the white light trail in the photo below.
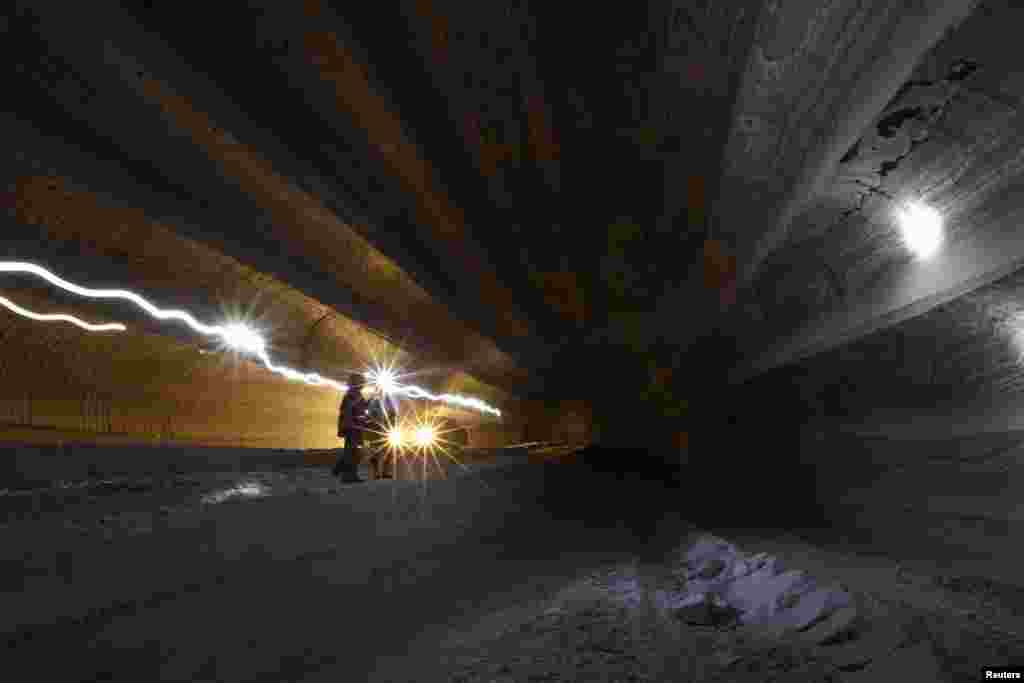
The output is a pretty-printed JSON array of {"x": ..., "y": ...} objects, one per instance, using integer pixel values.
[
  {"x": 451, "y": 399},
  {"x": 243, "y": 338},
  {"x": 39, "y": 271},
  {"x": 60, "y": 317}
]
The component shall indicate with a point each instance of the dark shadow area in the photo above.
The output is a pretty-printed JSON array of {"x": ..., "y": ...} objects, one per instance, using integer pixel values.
[
  {"x": 629, "y": 491},
  {"x": 747, "y": 462}
]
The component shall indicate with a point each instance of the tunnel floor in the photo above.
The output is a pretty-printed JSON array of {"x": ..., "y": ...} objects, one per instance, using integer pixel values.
[
  {"x": 284, "y": 575},
  {"x": 596, "y": 627}
]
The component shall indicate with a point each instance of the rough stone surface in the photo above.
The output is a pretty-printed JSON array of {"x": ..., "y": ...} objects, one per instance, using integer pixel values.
[
  {"x": 757, "y": 593},
  {"x": 705, "y": 609},
  {"x": 597, "y": 628},
  {"x": 874, "y": 640},
  {"x": 916, "y": 663},
  {"x": 832, "y": 627},
  {"x": 712, "y": 569},
  {"x": 812, "y": 606}
]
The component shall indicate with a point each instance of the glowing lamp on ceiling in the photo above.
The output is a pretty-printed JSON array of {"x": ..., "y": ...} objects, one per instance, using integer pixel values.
[{"x": 921, "y": 228}]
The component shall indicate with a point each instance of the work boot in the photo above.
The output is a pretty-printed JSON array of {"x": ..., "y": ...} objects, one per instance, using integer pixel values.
[{"x": 350, "y": 475}]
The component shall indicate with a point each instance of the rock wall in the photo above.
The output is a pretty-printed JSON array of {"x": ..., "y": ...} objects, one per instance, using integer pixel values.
[
  {"x": 950, "y": 501},
  {"x": 64, "y": 385}
]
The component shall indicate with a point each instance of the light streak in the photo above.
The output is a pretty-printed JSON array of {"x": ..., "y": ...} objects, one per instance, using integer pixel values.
[
  {"x": 451, "y": 399},
  {"x": 60, "y": 317},
  {"x": 39, "y": 271},
  {"x": 244, "y": 339}
]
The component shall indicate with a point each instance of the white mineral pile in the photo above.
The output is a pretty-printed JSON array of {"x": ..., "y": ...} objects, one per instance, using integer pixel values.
[{"x": 717, "y": 584}]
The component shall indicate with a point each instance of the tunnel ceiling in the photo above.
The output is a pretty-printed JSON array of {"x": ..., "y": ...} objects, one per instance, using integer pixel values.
[
  {"x": 949, "y": 136},
  {"x": 529, "y": 191}
]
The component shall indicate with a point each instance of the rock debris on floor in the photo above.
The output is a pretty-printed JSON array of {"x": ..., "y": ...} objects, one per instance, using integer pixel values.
[
  {"x": 714, "y": 613},
  {"x": 790, "y": 611}
]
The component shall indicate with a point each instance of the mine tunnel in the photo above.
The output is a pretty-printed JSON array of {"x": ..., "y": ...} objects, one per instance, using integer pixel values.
[{"x": 699, "y": 328}]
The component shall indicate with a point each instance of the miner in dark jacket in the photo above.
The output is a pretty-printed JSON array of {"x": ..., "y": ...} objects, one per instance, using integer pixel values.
[
  {"x": 380, "y": 467},
  {"x": 352, "y": 424}
]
